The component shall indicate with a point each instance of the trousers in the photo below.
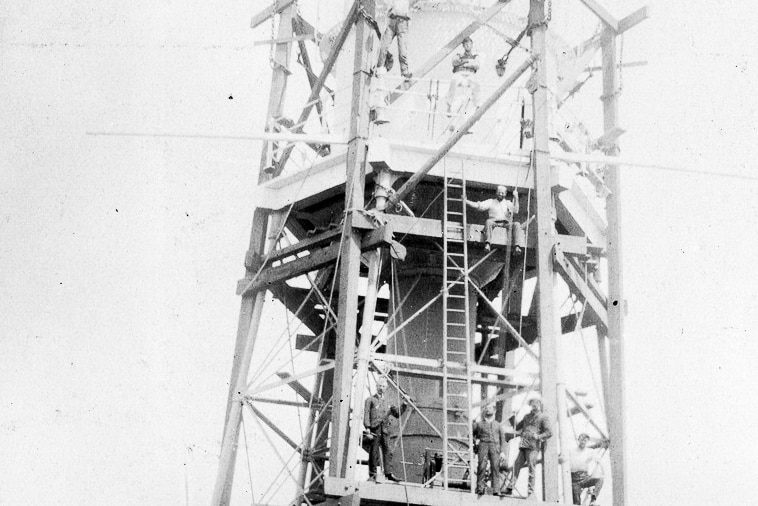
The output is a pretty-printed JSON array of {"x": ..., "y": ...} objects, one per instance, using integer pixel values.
[
  {"x": 457, "y": 93},
  {"x": 529, "y": 458},
  {"x": 515, "y": 232},
  {"x": 396, "y": 27},
  {"x": 380, "y": 453},
  {"x": 580, "y": 480},
  {"x": 488, "y": 452}
]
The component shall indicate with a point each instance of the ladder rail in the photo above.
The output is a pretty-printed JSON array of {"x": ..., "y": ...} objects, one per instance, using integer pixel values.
[{"x": 456, "y": 334}]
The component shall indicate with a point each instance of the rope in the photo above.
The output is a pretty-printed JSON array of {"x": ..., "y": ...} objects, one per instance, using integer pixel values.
[
  {"x": 393, "y": 265},
  {"x": 587, "y": 355},
  {"x": 247, "y": 455},
  {"x": 292, "y": 362}
]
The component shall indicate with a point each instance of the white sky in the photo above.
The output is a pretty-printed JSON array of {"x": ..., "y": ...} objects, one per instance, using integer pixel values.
[{"x": 119, "y": 255}]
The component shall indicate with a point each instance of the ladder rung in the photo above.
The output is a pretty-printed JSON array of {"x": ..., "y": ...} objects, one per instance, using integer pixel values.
[
  {"x": 455, "y": 212},
  {"x": 451, "y": 338},
  {"x": 456, "y": 310},
  {"x": 457, "y": 324}
]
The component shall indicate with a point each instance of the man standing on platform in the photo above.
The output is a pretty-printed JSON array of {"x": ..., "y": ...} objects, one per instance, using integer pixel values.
[
  {"x": 535, "y": 430},
  {"x": 581, "y": 458},
  {"x": 376, "y": 415},
  {"x": 465, "y": 65},
  {"x": 398, "y": 16},
  {"x": 500, "y": 214},
  {"x": 491, "y": 448}
]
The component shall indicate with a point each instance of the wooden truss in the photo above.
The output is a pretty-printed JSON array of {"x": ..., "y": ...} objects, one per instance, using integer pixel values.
[{"x": 360, "y": 244}]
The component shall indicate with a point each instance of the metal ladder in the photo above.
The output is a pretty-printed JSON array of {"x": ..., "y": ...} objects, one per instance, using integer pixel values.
[{"x": 456, "y": 332}]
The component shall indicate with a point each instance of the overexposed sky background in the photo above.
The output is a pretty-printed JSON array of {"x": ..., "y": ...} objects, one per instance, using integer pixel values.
[{"x": 119, "y": 255}]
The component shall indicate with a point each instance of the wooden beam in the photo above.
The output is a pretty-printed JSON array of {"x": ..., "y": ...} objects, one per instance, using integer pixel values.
[
  {"x": 503, "y": 371},
  {"x": 479, "y": 380},
  {"x": 633, "y": 19},
  {"x": 282, "y": 402},
  {"x": 448, "y": 48},
  {"x": 352, "y": 16},
  {"x": 590, "y": 280},
  {"x": 414, "y": 493},
  {"x": 299, "y": 28},
  {"x": 309, "y": 243},
  {"x": 299, "y": 388},
  {"x": 458, "y": 134},
  {"x": 582, "y": 409},
  {"x": 548, "y": 318},
  {"x": 602, "y": 13},
  {"x": 252, "y": 303},
  {"x": 225, "y": 475},
  {"x": 578, "y": 285},
  {"x": 293, "y": 298},
  {"x": 276, "y": 384},
  {"x": 296, "y": 38},
  {"x": 615, "y": 408},
  {"x": 427, "y": 227},
  {"x": 271, "y": 425},
  {"x": 504, "y": 321},
  {"x": 350, "y": 247},
  {"x": 306, "y": 27},
  {"x": 316, "y": 260},
  {"x": 270, "y": 11},
  {"x": 363, "y": 356}
]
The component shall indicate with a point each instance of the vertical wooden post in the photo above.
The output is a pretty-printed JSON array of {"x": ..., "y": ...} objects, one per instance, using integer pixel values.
[
  {"x": 225, "y": 475},
  {"x": 350, "y": 253},
  {"x": 361, "y": 373},
  {"x": 548, "y": 319},
  {"x": 251, "y": 304},
  {"x": 616, "y": 302}
]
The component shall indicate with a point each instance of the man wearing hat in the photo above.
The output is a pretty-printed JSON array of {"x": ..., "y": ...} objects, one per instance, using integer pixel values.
[
  {"x": 491, "y": 448},
  {"x": 500, "y": 214},
  {"x": 535, "y": 430},
  {"x": 376, "y": 415},
  {"x": 581, "y": 458}
]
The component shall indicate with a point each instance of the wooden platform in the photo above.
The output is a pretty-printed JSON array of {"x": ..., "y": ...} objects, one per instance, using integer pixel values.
[{"x": 346, "y": 492}]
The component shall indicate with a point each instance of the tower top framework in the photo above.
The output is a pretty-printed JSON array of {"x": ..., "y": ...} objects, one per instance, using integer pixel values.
[{"x": 357, "y": 234}]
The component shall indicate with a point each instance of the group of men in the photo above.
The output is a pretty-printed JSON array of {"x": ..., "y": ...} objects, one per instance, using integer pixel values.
[
  {"x": 491, "y": 436},
  {"x": 534, "y": 430},
  {"x": 491, "y": 439}
]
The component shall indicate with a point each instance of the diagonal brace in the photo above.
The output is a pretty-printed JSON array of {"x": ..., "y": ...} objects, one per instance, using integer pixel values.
[
  {"x": 416, "y": 178},
  {"x": 316, "y": 88},
  {"x": 448, "y": 48}
]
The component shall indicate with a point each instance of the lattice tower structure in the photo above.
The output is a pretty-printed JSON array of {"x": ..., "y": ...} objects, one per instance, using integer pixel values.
[{"x": 353, "y": 241}]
